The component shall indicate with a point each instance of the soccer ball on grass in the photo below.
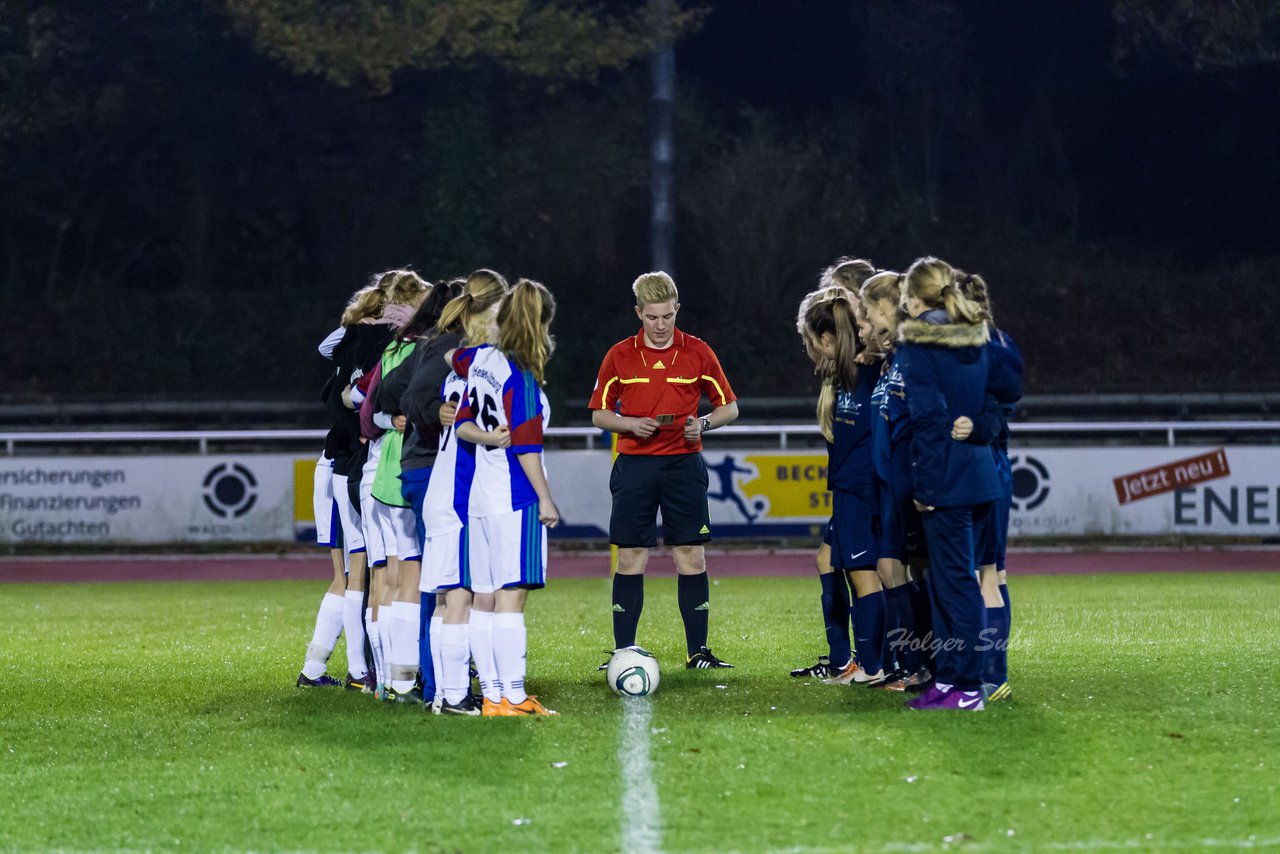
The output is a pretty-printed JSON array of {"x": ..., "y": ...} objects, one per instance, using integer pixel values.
[{"x": 632, "y": 672}]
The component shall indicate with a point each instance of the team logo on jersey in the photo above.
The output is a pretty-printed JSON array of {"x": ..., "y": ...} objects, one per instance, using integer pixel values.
[
  {"x": 230, "y": 490},
  {"x": 1030, "y": 482}
]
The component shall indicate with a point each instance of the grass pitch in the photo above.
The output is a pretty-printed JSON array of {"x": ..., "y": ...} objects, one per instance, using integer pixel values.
[{"x": 164, "y": 717}]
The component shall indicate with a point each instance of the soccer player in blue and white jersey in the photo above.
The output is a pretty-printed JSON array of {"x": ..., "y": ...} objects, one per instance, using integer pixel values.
[
  {"x": 504, "y": 413},
  {"x": 468, "y": 319}
]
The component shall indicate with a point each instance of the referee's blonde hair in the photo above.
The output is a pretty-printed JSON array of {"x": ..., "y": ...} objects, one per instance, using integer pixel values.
[
  {"x": 656, "y": 287},
  {"x": 524, "y": 326}
]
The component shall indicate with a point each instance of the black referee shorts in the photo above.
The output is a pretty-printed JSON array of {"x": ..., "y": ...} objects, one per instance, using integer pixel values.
[{"x": 641, "y": 485}]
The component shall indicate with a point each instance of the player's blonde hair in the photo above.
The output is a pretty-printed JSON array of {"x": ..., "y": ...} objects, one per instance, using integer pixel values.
[
  {"x": 974, "y": 287},
  {"x": 937, "y": 284},
  {"x": 524, "y": 326},
  {"x": 885, "y": 286},
  {"x": 653, "y": 288},
  {"x": 848, "y": 273},
  {"x": 834, "y": 310},
  {"x": 469, "y": 312},
  {"x": 366, "y": 302},
  {"x": 403, "y": 287}
]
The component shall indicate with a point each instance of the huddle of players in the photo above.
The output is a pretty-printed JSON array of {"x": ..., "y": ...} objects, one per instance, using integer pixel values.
[
  {"x": 431, "y": 488},
  {"x": 917, "y": 387}
]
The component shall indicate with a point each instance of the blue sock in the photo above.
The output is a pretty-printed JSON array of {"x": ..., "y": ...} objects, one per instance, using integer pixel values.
[
  {"x": 835, "y": 617},
  {"x": 870, "y": 627},
  {"x": 427, "y": 609},
  {"x": 922, "y": 610},
  {"x": 901, "y": 630}
]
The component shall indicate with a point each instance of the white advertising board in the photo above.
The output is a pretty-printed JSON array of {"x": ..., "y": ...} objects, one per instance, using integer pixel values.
[
  {"x": 267, "y": 497},
  {"x": 1185, "y": 490},
  {"x": 160, "y": 499}
]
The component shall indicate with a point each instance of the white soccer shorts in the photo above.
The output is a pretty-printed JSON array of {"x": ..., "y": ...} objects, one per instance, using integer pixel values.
[{"x": 508, "y": 550}]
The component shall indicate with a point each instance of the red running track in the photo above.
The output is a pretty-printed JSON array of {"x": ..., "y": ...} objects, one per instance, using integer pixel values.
[{"x": 82, "y": 569}]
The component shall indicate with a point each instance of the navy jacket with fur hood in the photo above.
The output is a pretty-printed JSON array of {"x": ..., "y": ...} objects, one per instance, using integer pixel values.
[{"x": 947, "y": 370}]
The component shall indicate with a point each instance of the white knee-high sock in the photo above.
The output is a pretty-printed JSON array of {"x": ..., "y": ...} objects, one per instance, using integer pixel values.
[
  {"x": 480, "y": 637},
  {"x": 510, "y": 642},
  {"x": 384, "y": 642},
  {"x": 353, "y": 625},
  {"x": 452, "y": 679},
  {"x": 437, "y": 659},
  {"x": 325, "y": 636},
  {"x": 375, "y": 643},
  {"x": 405, "y": 617}
]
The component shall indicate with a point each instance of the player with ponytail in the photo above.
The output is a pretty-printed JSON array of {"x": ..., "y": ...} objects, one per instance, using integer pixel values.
[
  {"x": 500, "y": 423},
  {"x": 947, "y": 371},
  {"x": 1006, "y": 360},
  {"x": 845, "y": 418},
  {"x": 848, "y": 273},
  {"x": 900, "y": 526},
  {"x": 469, "y": 320}
]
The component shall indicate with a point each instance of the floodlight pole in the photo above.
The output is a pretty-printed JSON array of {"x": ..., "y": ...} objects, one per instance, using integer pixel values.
[{"x": 662, "y": 154}]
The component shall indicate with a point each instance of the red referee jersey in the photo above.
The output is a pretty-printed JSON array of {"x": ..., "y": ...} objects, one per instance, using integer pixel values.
[{"x": 638, "y": 381}]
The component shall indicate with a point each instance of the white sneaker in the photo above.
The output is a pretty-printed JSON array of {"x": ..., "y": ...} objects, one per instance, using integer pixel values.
[
  {"x": 845, "y": 674},
  {"x": 862, "y": 677}
]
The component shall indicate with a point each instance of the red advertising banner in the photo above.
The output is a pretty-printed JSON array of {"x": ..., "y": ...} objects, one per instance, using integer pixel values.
[{"x": 1170, "y": 476}]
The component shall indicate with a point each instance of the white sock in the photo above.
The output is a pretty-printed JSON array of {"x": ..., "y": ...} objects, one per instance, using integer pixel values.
[
  {"x": 385, "y": 624},
  {"x": 437, "y": 658},
  {"x": 510, "y": 641},
  {"x": 353, "y": 625},
  {"x": 480, "y": 636},
  {"x": 450, "y": 644},
  {"x": 325, "y": 636},
  {"x": 403, "y": 631},
  {"x": 379, "y": 659}
]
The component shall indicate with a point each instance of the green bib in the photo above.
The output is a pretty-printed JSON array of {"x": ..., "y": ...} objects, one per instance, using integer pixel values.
[{"x": 386, "y": 483}]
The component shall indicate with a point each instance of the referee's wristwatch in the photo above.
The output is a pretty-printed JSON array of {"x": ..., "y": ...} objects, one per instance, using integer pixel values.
[{"x": 705, "y": 422}]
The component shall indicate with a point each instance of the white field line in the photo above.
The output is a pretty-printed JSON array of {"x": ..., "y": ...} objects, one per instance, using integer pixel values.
[{"x": 639, "y": 811}]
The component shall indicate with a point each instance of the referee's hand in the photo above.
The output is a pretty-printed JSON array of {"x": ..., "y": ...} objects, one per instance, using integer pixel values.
[
  {"x": 692, "y": 429},
  {"x": 644, "y": 427}
]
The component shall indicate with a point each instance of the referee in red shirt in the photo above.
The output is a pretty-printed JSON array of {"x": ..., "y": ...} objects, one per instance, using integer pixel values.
[{"x": 648, "y": 392}]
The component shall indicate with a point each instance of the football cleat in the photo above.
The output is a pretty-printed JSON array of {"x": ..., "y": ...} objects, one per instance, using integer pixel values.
[
  {"x": 893, "y": 681},
  {"x": 413, "y": 695},
  {"x": 918, "y": 681},
  {"x": 530, "y": 707},
  {"x": 993, "y": 693},
  {"x": 605, "y": 665},
  {"x": 322, "y": 681},
  {"x": 465, "y": 706},
  {"x": 500, "y": 709},
  {"x": 364, "y": 684},
  {"x": 844, "y": 675},
  {"x": 821, "y": 670},
  {"x": 704, "y": 659},
  {"x": 862, "y": 677}
]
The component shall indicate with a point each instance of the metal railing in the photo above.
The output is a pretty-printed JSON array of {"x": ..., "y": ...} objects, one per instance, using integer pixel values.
[{"x": 593, "y": 438}]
